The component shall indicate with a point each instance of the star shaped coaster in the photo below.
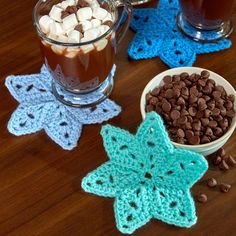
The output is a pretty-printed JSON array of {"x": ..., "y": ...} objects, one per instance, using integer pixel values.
[
  {"x": 147, "y": 176},
  {"x": 157, "y": 35},
  {"x": 39, "y": 109}
]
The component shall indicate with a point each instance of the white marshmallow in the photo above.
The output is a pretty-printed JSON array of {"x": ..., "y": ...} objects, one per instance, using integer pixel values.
[
  {"x": 62, "y": 39},
  {"x": 74, "y": 36},
  {"x": 92, "y": 33},
  {"x": 44, "y": 23},
  {"x": 58, "y": 49},
  {"x": 101, "y": 44},
  {"x": 107, "y": 18},
  {"x": 69, "y": 22},
  {"x": 103, "y": 29},
  {"x": 86, "y": 25},
  {"x": 86, "y": 48},
  {"x": 84, "y": 13},
  {"x": 95, "y": 23},
  {"x": 65, "y": 4},
  {"x": 55, "y": 13},
  {"x": 56, "y": 29},
  {"x": 68, "y": 31},
  {"x": 94, "y": 5},
  {"x": 100, "y": 13},
  {"x": 52, "y": 36},
  {"x": 71, "y": 2}
]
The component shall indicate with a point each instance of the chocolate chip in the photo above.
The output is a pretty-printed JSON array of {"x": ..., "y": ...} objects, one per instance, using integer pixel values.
[
  {"x": 205, "y": 121},
  {"x": 194, "y": 140},
  {"x": 218, "y": 132},
  {"x": 217, "y": 160},
  {"x": 223, "y": 165},
  {"x": 166, "y": 106},
  {"x": 175, "y": 114},
  {"x": 221, "y": 152},
  {"x": 224, "y": 188},
  {"x": 192, "y": 111},
  {"x": 167, "y": 79},
  {"x": 230, "y": 160},
  {"x": 202, "y": 198},
  {"x": 150, "y": 108},
  {"x": 205, "y": 139},
  {"x": 155, "y": 92},
  {"x": 205, "y": 74},
  {"x": 169, "y": 93},
  {"x": 212, "y": 124},
  {"x": 211, "y": 182},
  {"x": 216, "y": 94},
  {"x": 180, "y": 133}
]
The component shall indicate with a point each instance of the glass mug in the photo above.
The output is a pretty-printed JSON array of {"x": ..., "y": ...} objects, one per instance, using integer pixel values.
[
  {"x": 82, "y": 72},
  {"x": 206, "y": 20}
]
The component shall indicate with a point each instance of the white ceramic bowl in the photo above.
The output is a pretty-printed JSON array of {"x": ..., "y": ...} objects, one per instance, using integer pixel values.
[{"x": 204, "y": 149}]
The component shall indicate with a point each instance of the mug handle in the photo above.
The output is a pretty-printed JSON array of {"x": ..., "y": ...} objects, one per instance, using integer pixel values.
[{"x": 122, "y": 27}]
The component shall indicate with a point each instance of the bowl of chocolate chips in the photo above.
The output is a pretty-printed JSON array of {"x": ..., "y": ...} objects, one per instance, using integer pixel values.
[{"x": 197, "y": 107}]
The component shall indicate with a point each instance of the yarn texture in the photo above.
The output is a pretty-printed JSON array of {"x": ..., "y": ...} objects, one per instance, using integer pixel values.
[
  {"x": 147, "y": 176},
  {"x": 157, "y": 35},
  {"x": 40, "y": 110}
]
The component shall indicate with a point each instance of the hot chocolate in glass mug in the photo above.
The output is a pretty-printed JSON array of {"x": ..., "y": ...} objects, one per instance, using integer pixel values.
[
  {"x": 78, "y": 40},
  {"x": 206, "y": 20}
]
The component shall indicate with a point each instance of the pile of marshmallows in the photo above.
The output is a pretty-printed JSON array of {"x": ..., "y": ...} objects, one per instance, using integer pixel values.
[{"x": 76, "y": 21}]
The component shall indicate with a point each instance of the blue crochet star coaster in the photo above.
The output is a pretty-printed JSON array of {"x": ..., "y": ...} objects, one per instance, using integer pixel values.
[
  {"x": 39, "y": 109},
  {"x": 157, "y": 35},
  {"x": 147, "y": 176}
]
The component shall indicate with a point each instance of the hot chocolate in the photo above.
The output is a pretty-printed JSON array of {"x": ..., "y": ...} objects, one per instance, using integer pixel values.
[
  {"x": 207, "y": 14},
  {"x": 83, "y": 67}
]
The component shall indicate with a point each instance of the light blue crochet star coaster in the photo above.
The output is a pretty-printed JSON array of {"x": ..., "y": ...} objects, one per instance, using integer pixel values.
[
  {"x": 39, "y": 109},
  {"x": 147, "y": 176},
  {"x": 157, "y": 35}
]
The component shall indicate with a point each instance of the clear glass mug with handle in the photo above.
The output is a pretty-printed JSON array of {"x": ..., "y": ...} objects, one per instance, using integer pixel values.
[
  {"x": 206, "y": 20},
  {"x": 80, "y": 57}
]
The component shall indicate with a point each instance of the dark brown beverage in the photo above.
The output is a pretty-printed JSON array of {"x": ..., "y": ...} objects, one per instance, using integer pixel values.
[
  {"x": 207, "y": 14},
  {"x": 78, "y": 71}
]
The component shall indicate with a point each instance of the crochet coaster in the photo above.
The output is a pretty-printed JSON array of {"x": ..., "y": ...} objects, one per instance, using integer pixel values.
[
  {"x": 147, "y": 176},
  {"x": 157, "y": 35},
  {"x": 39, "y": 109}
]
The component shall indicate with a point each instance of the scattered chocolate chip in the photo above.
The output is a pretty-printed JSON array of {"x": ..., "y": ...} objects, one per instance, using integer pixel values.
[
  {"x": 230, "y": 160},
  {"x": 212, "y": 182},
  {"x": 224, "y": 188},
  {"x": 217, "y": 160},
  {"x": 221, "y": 152},
  {"x": 223, "y": 165},
  {"x": 202, "y": 198}
]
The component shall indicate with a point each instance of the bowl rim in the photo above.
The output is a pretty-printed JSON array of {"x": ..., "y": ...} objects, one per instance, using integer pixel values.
[{"x": 145, "y": 90}]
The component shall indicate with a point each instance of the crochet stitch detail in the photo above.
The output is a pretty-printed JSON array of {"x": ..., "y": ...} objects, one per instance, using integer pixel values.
[
  {"x": 39, "y": 109},
  {"x": 147, "y": 176},
  {"x": 157, "y": 35}
]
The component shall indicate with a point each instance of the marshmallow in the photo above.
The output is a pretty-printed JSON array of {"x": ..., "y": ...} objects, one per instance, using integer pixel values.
[
  {"x": 103, "y": 29},
  {"x": 95, "y": 23},
  {"x": 74, "y": 36},
  {"x": 107, "y": 18},
  {"x": 56, "y": 29},
  {"x": 44, "y": 23},
  {"x": 86, "y": 25},
  {"x": 94, "y": 4},
  {"x": 55, "y": 13},
  {"x": 84, "y": 13},
  {"x": 58, "y": 49},
  {"x": 65, "y": 4},
  {"x": 86, "y": 48},
  {"x": 91, "y": 34},
  {"x": 101, "y": 44},
  {"x": 100, "y": 13},
  {"x": 62, "y": 38},
  {"x": 69, "y": 22},
  {"x": 52, "y": 36}
]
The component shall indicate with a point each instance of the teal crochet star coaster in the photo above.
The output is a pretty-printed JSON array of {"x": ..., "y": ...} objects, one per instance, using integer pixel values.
[{"x": 147, "y": 176}]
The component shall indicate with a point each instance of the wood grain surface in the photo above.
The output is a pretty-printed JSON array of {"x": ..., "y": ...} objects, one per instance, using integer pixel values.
[{"x": 40, "y": 184}]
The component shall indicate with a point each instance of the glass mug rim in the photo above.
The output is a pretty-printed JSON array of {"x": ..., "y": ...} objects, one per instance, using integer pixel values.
[{"x": 52, "y": 41}]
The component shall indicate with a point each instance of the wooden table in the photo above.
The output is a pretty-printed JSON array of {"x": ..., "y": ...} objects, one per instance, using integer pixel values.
[{"x": 40, "y": 184}]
